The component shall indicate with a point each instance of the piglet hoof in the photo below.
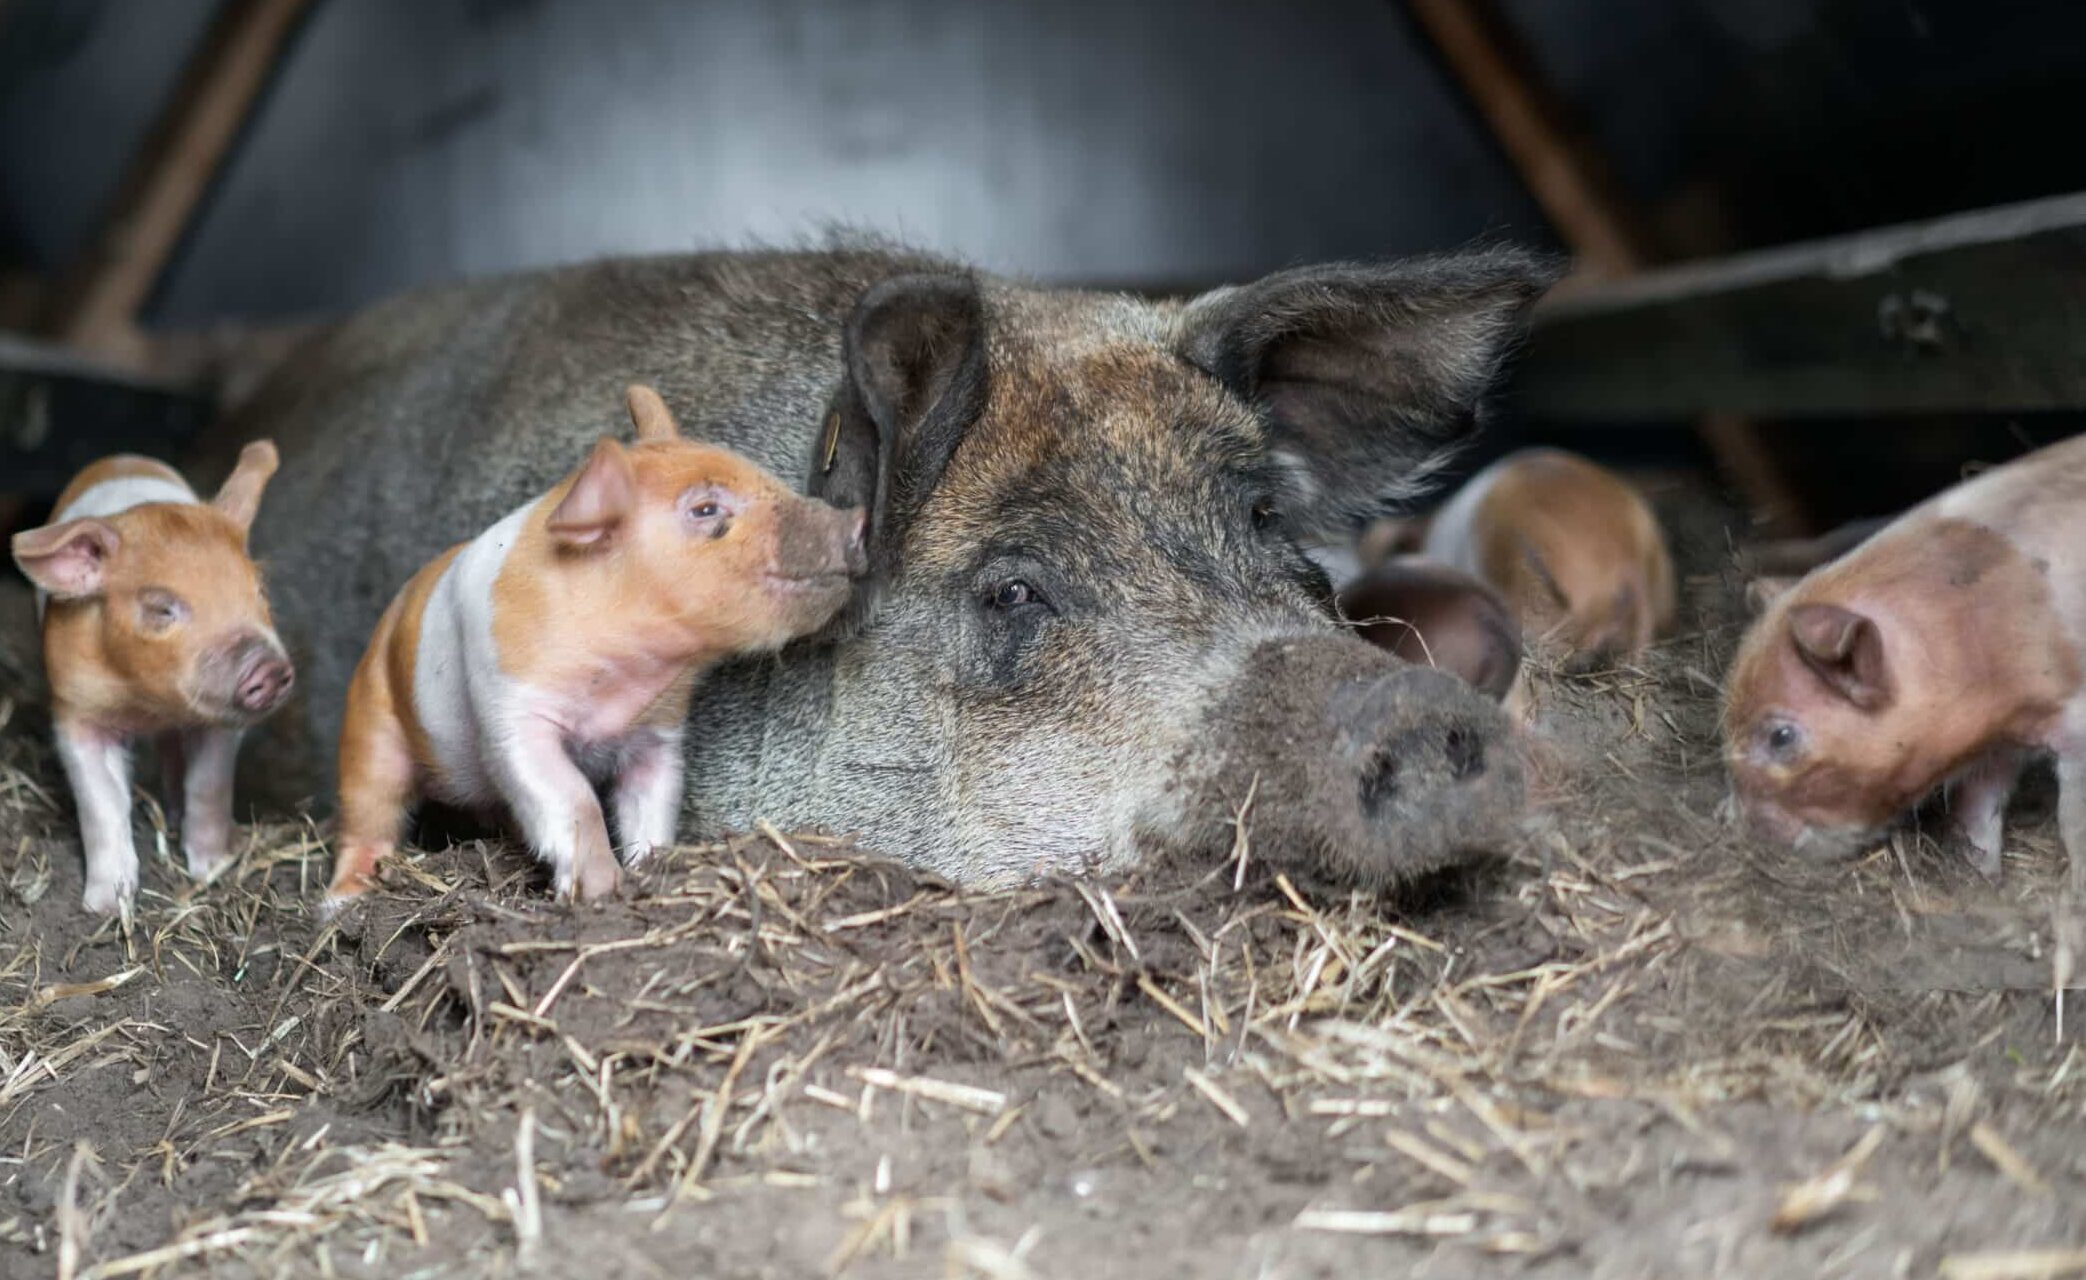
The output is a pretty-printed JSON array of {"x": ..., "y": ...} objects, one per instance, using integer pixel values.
[
  {"x": 593, "y": 880},
  {"x": 337, "y": 900},
  {"x": 206, "y": 860},
  {"x": 640, "y": 855},
  {"x": 354, "y": 874},
  {"x": 110, "y": 895},
  {"x": 1986, "y": 862},
  {"x": 346, "y": 890}
]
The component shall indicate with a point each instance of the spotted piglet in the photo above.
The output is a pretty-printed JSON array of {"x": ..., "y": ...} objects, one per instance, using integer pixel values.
[
  {"x": 558, "y": 649},
  {"x": 1942, "y": 653},
  {"x": 154, "y": 625},
  {"x": 1572, "y": 546}
]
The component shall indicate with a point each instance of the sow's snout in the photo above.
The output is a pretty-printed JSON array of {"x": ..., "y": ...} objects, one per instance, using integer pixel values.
[{"x": 1370, "y": 771}]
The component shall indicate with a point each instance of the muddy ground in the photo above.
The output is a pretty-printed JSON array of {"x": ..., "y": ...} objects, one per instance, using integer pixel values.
[{"x": 1636, "y": 1045}]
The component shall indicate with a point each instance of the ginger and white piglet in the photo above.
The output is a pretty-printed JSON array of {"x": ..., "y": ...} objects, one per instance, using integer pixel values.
[
  {"x": 558, "y": 649},
  {"x": 154, "y": 624},
  {"x": 1573, "y": 548},
  {"x": 1943, "y": 651}
]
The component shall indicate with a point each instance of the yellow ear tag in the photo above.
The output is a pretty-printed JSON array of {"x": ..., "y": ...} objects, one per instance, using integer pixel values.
[{"x": 832, "y": 440}]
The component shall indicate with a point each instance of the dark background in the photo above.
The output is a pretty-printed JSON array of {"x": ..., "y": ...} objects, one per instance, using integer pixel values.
[{"x": 1155, "y": 144}]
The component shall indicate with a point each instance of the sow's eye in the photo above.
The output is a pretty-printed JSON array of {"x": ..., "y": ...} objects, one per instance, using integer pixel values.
[
  {"x": 1265, "y": 514},
  {"x": 160, "y": 610},
  {"x": 1014, "y": 593},
  {"x": 1013, "y": 617}
]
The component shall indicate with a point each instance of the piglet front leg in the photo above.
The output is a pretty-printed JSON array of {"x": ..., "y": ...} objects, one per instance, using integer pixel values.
[
  {"x": 559, "y": 814},
  {"x": 97, "y": 764},
  {"x": 1977, "y": 799},
  {"x": 206, "y": 798},
  {"x": 173, "y": 776},
  {"x": 648, "y": 793},
  {"x": 2071, "y": 814}
]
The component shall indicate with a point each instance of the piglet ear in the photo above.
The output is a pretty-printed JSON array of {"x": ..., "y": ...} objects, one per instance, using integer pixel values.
[
  {"x": 602, "y": 496},
  {"x": 69, "y": 560},
  {"x": 1846, "y": 650},
  {"x": 240, "y": 495},
  {"x": 649, "y": 414},
  {"x": 1764, "y": 591},
  {"x": 1390, "y": 536}
]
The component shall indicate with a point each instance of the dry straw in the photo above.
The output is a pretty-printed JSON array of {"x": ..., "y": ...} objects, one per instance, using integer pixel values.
[{"x": 440, "y": 1080}]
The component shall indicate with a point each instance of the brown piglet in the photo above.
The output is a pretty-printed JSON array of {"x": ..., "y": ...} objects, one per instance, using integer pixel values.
[
  {"x": 154, "y": 625},
  {"x": 1436, "y": 616},
  {"x": 1941, "y": 653},
  {"x": 1573, "y": 548},
  {"x": 557, "y": 651}
]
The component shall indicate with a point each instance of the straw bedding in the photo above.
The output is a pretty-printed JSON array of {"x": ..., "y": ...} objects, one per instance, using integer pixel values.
[{"x": 1635, "y": 1045}]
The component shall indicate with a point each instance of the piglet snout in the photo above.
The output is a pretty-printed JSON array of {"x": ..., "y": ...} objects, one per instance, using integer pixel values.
[
  {"x": 265, "y": 677},
  {"x": 818, "y": 541},
  {"x": 1766, "y": 820},
  {"x": 854, "y": 548}
]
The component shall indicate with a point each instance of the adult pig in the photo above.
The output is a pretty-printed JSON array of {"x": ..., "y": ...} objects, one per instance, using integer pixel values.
[{"x": 1087, "y": 630}]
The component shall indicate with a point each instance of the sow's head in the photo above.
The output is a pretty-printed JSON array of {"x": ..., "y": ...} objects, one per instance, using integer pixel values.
[{"x": 1089, "y": 626}]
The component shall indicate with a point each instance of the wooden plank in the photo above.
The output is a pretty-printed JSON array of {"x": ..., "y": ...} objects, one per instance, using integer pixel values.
[
  {"x": 1979, "y": 312},
  {"x": 60, "y": 410},
  {"x": 98, "y": 305},
  {"x": 1582, "y": 199},
  {"x": 1565, "y": 174}
]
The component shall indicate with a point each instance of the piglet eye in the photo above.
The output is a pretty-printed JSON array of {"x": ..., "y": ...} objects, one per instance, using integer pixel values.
[
  {"x": 1782, "y": 739},
  {"x": 158, "y": 609},
  {"x": 709, "y": 514}
]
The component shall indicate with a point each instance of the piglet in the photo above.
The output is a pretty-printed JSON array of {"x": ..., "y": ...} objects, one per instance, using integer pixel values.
[
  {"x": 154, "y": 624},
  {"x": 1436, "y": 616},
  {"x": 558, "y": 650},
  {"x": 1573, "y": 548},
  {"x": 1944, "y": 651}
]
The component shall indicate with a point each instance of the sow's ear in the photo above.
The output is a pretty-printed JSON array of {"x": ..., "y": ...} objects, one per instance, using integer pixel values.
[
  {"x": 912, "y": 384},
  {"x": 1370, "y": 375},
  {"x": 240, "y": 495},
  {"x": 69, "y": 560},
  {"x": 1846, "y": 650}
]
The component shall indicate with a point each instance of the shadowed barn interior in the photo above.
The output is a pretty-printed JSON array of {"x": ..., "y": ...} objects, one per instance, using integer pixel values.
[{"x": 1821, "y": 259}]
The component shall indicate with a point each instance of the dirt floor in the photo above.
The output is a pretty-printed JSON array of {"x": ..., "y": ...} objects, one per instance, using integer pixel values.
[{"x": 1635, "y": 1046}]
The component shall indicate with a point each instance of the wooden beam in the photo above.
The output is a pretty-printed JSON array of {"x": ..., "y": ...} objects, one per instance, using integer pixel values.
[
  {"x": 1562, "y": 171},
  {"x": 1978, "y": 312},
  {"x": 97, "y": 306},
  {"x": 1583, "y": 201}
]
